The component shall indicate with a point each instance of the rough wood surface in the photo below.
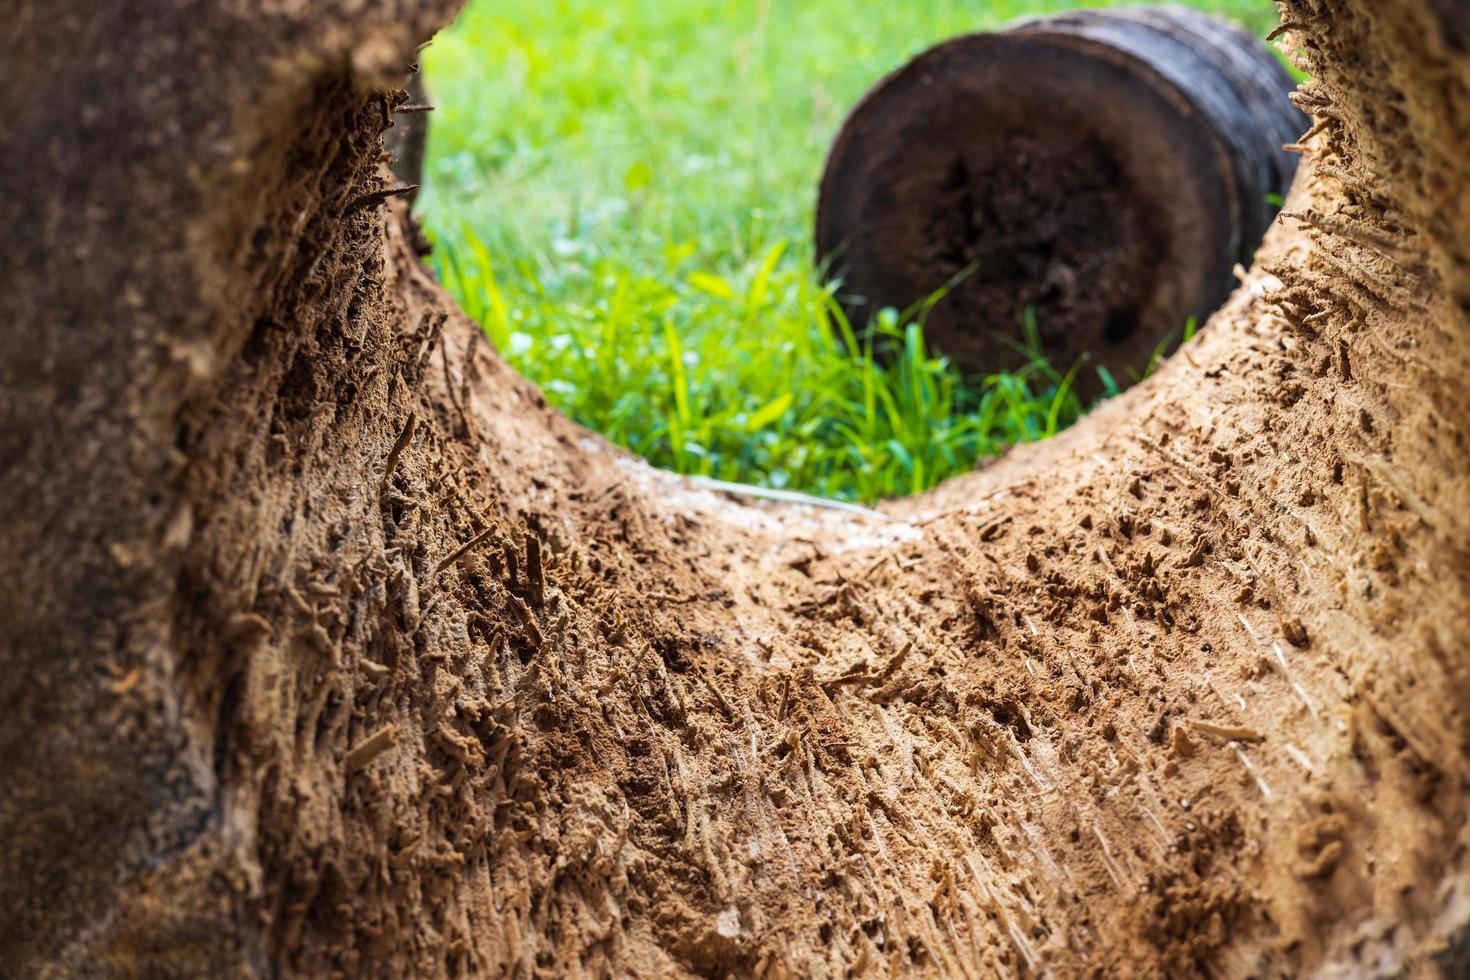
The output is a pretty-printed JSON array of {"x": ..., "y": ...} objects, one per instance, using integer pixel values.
[{"x": 1180, "y": 691}]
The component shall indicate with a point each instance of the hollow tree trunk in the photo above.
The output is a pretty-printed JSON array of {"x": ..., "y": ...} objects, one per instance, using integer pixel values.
[{"x": 329, "y": 648}]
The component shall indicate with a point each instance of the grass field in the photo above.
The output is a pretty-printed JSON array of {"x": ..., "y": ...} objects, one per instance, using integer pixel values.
[{"x": 621, "y": 192}]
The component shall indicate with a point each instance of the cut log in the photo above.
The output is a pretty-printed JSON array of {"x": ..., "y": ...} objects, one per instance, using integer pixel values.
[{"x": 1106, "y": 169}]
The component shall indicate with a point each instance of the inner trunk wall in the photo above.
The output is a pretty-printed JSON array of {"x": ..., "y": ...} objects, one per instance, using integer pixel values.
[{"x": 217, "y": 602}]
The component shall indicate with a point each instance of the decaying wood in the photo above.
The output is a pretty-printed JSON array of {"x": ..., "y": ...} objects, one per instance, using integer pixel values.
[{"x": 1179, "y": 692}]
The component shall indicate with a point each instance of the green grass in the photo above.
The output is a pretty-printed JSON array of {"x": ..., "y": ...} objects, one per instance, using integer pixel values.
[{"x": 621, "y": 193}]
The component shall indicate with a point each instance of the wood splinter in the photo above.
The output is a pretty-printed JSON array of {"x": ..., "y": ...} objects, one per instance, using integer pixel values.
[
  {"x": 862, "y": 676},
  {"x": 370, "y": 748},
  {"x": 1228, "y": 733},
  {"x": 462, "y": 550},
  {"x": 399, "y": 445},
  {"x": 376, "y": 197},
  {"x": 535, "y": 573}
]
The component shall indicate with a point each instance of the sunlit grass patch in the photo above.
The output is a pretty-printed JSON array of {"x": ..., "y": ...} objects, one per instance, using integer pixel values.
[{"x": 753, "y": 376}]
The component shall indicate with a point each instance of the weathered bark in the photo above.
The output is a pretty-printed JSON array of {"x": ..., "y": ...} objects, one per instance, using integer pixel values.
[{"x": 289, "y": 688}]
